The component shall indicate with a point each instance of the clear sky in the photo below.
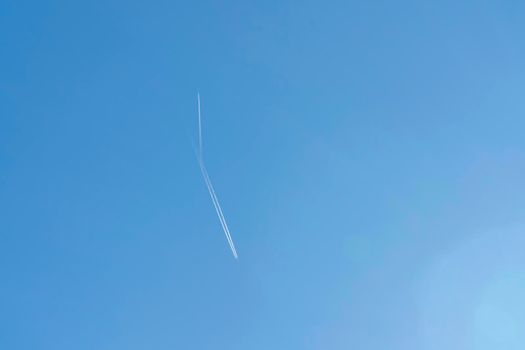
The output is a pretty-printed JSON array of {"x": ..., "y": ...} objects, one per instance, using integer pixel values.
[{"x": 369, "y": 157}]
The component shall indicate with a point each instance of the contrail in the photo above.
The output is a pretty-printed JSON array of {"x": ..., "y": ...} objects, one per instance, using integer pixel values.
[
  {"x": 218, "y": 209},
  {"x": 217, "y": 205},
  {"x": 209, "y": 185},
  {"x": 200, "y": 128},
  {"x": 216, "y": 202}
]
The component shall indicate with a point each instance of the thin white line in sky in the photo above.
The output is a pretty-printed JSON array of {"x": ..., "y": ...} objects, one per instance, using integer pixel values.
[
  {"x": 200, "y": 126},
  {"x": 209, "y": 185},
  {"x": 218, "y": 209}
]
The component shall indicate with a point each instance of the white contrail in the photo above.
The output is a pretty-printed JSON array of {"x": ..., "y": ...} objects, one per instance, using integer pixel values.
[
  {"x": 218, "y": 209},
  {"x": 228, "y": 234},
  {"x": 217, "y": 206},
  {"x": 200, "y": 128},
  {"x": 209, "y": 185}
]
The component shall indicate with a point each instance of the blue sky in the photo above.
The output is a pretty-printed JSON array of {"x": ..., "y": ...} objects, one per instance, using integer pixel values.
[{"x": 369, "y": 158}]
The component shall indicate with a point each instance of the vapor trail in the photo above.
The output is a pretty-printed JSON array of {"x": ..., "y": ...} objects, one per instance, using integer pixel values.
[
  {"x": 216, "y": 205},
  {"x": 209, "y": 185},
  {"x": 218, "y": 209},
  {"x": 200, "y": 127}
]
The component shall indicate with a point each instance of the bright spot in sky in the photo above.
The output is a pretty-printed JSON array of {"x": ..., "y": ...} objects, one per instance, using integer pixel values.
[{"x": 474, "y": 296}]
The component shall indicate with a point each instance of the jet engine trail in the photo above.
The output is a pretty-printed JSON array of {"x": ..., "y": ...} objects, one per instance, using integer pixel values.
[
  {"x": 216, "y": 204},
  {"x": 200, "y": 128},
  {"x": 218, "y": 209},
  {"x": 209, "y": 185}
]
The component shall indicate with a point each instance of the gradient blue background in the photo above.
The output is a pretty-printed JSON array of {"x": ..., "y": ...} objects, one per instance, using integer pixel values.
[{"x": 369, "y": 157}]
